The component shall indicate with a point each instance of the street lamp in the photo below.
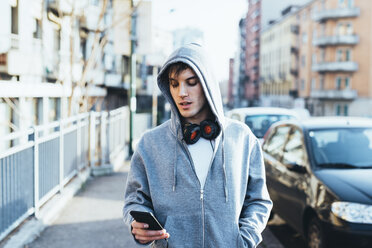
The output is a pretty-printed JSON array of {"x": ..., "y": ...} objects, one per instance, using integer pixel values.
[{"x": 132, "y": 91}]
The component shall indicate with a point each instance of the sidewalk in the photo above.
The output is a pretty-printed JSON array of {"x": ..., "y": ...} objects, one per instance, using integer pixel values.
[{"x": 93, "y": 218}]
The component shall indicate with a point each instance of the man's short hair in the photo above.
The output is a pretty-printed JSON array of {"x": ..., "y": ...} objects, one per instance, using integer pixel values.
[{"x": 177, "y": 68}]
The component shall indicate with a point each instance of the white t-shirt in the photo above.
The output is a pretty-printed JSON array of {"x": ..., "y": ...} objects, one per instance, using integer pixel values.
[{"x": 202, "y": 153}]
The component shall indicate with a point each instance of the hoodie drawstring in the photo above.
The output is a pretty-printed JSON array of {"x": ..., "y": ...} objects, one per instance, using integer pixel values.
[
  {"x": 175, "y": 162},
  {"x": 224, "y": 167}
]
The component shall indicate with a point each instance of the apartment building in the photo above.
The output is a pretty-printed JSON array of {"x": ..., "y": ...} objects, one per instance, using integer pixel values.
[
  {"x": 259, "y": 16},
  {"x": 279, "y": 55},
  {"x": 58, "y": 58},
  {"x": 253, "y": 27},
  {"x": 341, "y": 82},
  {"x": 332, "y": 73}
]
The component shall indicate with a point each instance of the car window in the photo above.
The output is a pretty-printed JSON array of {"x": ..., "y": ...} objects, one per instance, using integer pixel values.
[
  {"x": 274, "y": 146},
  {"x": 294, "y": 151},
  {"x": 342, "y": 147},
  {"x": 259, "y": 124}
]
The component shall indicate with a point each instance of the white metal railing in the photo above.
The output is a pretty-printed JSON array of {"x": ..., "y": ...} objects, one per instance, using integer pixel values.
[{"x": 48, "y": 156}]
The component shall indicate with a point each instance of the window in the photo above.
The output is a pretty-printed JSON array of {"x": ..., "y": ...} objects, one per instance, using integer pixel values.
[
  {"x": 350, "y": 3},
  {"x": 346, "y": 110},
  {"x": 339, "y": 55},
  {"x": 338, "y": 83},
  {"x": 304, "y": 38},
  {"x": 349, "y": 29},
  {"x": 321, "y": 82},
  {"x": 338, "y": 109},
  {"x": 347, "y": 83},
  {"x": 323, "y": 4},
  {"x": 323, "y": 28},
  {"x": 348, "y": 55},
  {"x": 340, "y": 29},
  {"x": 313, "y": 83},
  {"x": 313, "y": 58},
  {"x": 276, "y": 142},
  {"x": 57, "y": 39},
  {"x": 303, "y": 60},
  {"x": 37, "y": 33},
  {"x": 302, "y": 84},
  {"x": 322, "y": 54},
  {"x": 315, "y": 34},
  {"x": 14, "y": 17},
  {"x": 294, "y": 152},
  {"x": 342, "y": 3}
]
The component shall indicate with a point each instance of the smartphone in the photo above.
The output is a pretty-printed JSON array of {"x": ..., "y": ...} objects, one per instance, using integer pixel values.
[{"x": 148, "y": 218}]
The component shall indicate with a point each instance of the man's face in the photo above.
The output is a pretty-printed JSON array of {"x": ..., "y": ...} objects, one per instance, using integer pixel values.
[{"x": 188, "y": 95}]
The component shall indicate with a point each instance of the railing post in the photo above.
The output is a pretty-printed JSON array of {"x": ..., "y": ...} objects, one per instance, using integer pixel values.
[
  {"x": 61, "y": 155},
  {"x": 92, "y": 138},
  {"x": 103, "y": 138},
  {"x": 78, "y": 140},
  {"x": 36, "y": 172}
]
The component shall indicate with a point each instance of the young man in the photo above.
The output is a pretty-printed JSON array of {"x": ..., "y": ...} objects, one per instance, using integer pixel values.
[{"x": 201, "y": 174}]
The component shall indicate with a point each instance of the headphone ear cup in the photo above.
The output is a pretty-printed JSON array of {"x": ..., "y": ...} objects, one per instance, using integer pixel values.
[
  {"x": 209, "y": 129},
  {"x": 191, "y": 133}
]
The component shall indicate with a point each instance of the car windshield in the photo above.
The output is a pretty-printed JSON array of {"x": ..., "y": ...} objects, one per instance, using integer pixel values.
[
  {"x": 342, "y": 148},
  {"x": 259, "y": 124}
]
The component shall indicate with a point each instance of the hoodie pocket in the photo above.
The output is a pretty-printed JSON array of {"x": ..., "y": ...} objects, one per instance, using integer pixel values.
[{"x": 184, "y": 231}]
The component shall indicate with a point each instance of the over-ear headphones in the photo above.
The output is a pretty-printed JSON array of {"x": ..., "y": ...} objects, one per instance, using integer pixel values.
[{"x": 207, "y": 129}]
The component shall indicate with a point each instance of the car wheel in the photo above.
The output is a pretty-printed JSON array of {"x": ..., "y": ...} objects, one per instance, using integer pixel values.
[{"x": 315, "y": 235}]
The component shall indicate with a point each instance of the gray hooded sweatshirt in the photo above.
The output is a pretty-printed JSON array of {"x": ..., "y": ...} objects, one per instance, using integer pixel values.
[{"x": 232, "y": 208}]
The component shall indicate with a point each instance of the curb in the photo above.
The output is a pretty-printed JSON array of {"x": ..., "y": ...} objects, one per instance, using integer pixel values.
[{"x": 48, "y": 213}]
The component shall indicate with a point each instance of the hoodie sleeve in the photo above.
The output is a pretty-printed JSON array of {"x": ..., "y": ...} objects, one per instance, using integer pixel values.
[
  {"x": 137, "y": 193},
  {"x": 257, "y": 204}
]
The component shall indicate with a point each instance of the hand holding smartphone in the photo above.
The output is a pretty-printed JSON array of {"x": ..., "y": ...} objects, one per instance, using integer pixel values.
[{"x": 148, "y": 218}]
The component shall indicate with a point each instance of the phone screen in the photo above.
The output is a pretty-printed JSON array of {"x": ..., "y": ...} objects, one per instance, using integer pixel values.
[{"x": 147, "y": 217}]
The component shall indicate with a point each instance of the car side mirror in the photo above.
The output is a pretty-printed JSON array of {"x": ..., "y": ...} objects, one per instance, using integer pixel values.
[{"x": 296, "y": 167}]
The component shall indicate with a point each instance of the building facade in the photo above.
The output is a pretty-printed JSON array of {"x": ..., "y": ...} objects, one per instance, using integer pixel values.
[
  {"x": 278, "y": 60},
  {"x": 253, "y": 27},
  {"x": 331, "y": 70},
  {"x": 59, "y": 58},
  {"x": 341, "y": 82}
]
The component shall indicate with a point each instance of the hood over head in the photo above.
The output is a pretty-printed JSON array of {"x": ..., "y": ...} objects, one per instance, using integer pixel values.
[{"x": 196, "y": 58}]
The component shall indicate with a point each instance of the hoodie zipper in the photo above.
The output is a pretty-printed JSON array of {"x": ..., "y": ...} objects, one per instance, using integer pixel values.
[
  {"x": 203, "y": 221},
  {"x": 201, "y": 189}
]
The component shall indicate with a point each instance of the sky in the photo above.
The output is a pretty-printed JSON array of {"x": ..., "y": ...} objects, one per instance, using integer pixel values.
[{"x": 218, "y": 19}]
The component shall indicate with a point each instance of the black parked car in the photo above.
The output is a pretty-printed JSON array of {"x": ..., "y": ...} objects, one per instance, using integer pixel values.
[{"x": 319, "y": 176}]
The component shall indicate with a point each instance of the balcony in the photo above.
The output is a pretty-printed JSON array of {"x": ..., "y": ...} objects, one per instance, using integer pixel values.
[
  {"x": 336, "y": 40},
  {"x": 346, "y": 94},
  {"x": 326, "y": 14},
  {"x": 342, "y": 66}
]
